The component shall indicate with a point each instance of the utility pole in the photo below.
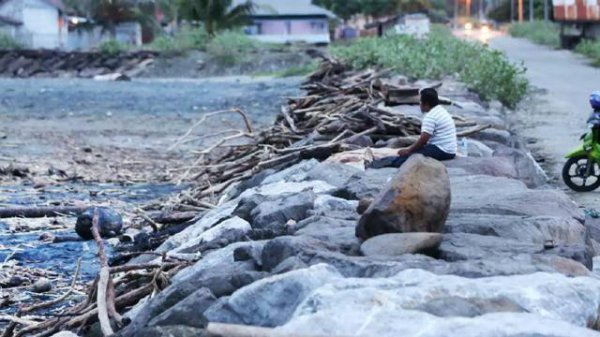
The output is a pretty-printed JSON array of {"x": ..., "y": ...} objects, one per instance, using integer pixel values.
[
  {"x": 530, "y": 10},
  {"x": 520, "y": 10},
  {"x": 468, "y": 8},
  {"x": 456, "y": 13},
  {"x": 546, "y": 10},
  {"x": 512, "y": 10}
]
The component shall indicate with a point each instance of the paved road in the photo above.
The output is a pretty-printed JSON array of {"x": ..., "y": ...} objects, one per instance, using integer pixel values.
[{"x": 553, "y": 118}]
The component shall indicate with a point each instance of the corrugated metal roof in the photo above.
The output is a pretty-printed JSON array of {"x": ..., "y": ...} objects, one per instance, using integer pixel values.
[
  {"x": 287, "y": 8},
  {"x": 9, "y": 21}
]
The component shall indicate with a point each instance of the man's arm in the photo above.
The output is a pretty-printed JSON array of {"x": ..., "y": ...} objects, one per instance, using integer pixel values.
[{"x": 422, "y": 141}]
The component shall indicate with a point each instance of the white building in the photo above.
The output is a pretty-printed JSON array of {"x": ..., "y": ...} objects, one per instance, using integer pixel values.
[
  {"x": 281, "y": 21},
  {"x": 34, "y": 23}
]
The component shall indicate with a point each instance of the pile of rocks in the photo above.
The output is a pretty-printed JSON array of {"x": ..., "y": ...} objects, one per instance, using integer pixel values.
[
  {"x": 508, "y": 256},
  {"x": 51, "y": 63}
]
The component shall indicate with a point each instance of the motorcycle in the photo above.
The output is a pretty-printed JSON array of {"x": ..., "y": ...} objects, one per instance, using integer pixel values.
[{"x": 581, "y": 172}]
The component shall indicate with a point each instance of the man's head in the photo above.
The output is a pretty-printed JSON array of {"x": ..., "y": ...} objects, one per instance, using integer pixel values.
[{"x": 429, "y": 99}]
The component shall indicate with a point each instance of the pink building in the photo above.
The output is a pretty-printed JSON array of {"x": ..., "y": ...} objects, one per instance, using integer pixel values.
[{"x": 283, "y": 21}]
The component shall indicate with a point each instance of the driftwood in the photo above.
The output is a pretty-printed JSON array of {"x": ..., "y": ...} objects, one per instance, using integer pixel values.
[{"x": 40, "y": 212}]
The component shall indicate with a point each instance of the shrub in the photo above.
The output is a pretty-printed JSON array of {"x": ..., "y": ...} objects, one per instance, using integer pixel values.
[
  {"x": 230, "y": 47},
  {"x": 112, "y": 47},
  {"x": 7, "y": 42},
  {"x": 184, "y": 40},
  {"x": 590, "y": 49},
  {"x": 540, "y": 32},
  {"x": 485, "y": 71}
]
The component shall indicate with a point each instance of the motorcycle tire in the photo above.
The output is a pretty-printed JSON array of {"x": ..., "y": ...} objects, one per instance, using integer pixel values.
[{"x": 569, "y": 182}]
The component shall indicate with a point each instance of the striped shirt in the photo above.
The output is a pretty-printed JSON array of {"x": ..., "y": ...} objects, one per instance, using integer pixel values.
[{"x": 439, "y": 124}]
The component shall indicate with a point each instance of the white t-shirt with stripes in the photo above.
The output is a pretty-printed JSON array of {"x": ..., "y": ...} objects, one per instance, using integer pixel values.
[{"x": 439, "y": 124}]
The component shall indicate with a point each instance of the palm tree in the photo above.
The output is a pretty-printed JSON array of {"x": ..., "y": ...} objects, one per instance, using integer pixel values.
[{"x": 216, "y": 14}]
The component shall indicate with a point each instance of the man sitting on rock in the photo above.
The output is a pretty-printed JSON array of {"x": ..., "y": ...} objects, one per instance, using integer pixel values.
[{"x": 438, "y": 134}]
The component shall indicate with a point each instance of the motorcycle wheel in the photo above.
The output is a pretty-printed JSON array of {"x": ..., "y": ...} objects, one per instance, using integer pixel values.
[{"x": 574, "y": 173}]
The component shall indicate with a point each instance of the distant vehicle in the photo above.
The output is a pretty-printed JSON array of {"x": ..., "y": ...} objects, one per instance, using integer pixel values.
[{"x": 578, "y": 19}]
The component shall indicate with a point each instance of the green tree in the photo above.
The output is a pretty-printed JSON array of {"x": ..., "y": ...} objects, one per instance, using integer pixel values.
[
  {"x": 216, "y": 14},
  {"x": 344, "y": 9},
  {"x": 379, "y": 8}
]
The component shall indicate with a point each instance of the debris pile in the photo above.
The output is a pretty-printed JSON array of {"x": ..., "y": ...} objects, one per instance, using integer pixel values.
[{"x": 342, "y": 110}]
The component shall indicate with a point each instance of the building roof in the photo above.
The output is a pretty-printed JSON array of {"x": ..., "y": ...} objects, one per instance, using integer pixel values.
[
  {"x": 287, "y": 8},
  {"x": 9, "y": 21}
]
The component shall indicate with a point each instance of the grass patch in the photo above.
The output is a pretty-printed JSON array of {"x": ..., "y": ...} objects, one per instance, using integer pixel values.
[
  {"x": 230, "y": 48},
  {"x": 112, "y": 47},
  {"x": 540, "y": 32},
  {"x": 485, "y": 71},
  {"x": 8, "y": 43},
  {"x": 590, "y": 49},
  {"x": 186, "y": 39}
]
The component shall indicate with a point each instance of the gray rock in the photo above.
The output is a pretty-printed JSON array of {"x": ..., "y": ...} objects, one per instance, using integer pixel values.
[
  {"x": 538, "y": 230},
  {"x": 476, "y": 148},
  {"x": 188, "y": 312},
  {"x": 481, "y": 194},
  {"x": 166, "y": 331},
  {"x": 289, "y": 264},
  {"x": 333, "y": 173},
  {"x": 272, "y": 301},
  {"x": 281, "y": 248},
  {"x": 416, "y": 200},
  {"x": 283, "y": 187},
  {"x": 366, "y": 184},
  {"x": 228, "y": 231},
  {"x": 491, "y": 166},
  {"x": 390, "y": 306},
  {"x": 159, "y": 304},
  {"x": 252, "y": 182},
  {"x": 402, "y": 243},
  {"x": 274, "y": 214},
  {"x": 293, "y": 173},
  {"x": 454, "y": 306},
  {"x": 583, "y": 254},
  {"x": 333, "y": 207},
  {"x": 528, "y": 170},
  {"x": 463, "y": 246},
  {"x": 110, "y": 223},
  {"x": 494, "y": 135},
  {"x": 247, "y": 205},
  {"x": 217, "y": 271},
  {"x": 249, "y": 253},
  {"x": 336, "y": 233},
  {"x": 42, "y": 285}
]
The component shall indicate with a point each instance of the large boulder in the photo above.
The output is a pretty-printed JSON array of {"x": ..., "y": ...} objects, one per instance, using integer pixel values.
[
  {"x": 417, "y": 200},
  {"x": 271, "y": 301},
  {"x": 110, "y": 223},
  {"x": 402, "y": 243},
  {"x": 528, "y": 170},
  {"x": 367, "y": 184},
  {"x": 408, "y": 304},
  {"x": 188, "y": 312},
  {"x": 275, "y": 213}
]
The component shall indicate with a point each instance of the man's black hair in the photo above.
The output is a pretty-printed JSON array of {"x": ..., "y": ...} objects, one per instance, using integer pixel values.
[{"x": 430, "y": 97}]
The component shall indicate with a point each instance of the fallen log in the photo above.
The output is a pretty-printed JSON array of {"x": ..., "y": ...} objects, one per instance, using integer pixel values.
[{"x": 40, "y": 212}]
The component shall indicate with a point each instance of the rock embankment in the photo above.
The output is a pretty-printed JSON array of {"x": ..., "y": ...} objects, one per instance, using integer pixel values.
[
  {"x": 50, "y": 63},
  {"x": 514, "y": 257}
]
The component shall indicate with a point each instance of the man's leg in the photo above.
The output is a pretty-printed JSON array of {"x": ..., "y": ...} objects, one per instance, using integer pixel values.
[
  {"x": 394, "y": 161},
  {"x": 434, "y": 152}
]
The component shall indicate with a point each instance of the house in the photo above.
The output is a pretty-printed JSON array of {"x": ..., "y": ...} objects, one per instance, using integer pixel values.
[
  {"x": 289, "y": 21},
  {"x": 416, "y": 24},
  {"x": 34, "y": 23}
]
